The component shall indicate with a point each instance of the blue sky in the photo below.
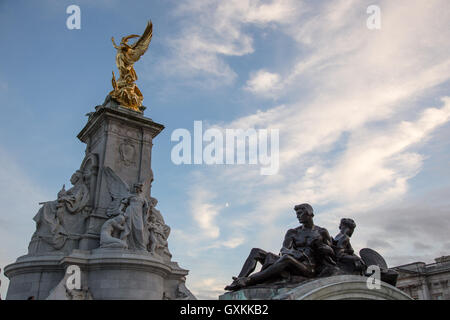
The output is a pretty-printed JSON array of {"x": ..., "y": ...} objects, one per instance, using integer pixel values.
[{"x": 363, "y": 118}]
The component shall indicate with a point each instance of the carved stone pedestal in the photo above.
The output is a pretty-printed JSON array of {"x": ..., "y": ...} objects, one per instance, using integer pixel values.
[
  {"x": 122, "y": 140},
  {"x": 106, "y": 274},
  {"x": 113, "y": 182}
]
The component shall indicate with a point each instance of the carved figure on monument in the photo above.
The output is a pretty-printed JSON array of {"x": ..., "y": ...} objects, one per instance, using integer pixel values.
[
  {"x": 125, "y": 90},
  {"x": 133, "y": 205},
  {"x": 114, "y": 233},
  {"x": 136, "y": 213},
  {"x": 159, "y": 231},
  {"x": 76, "y": 198},
  {"x": 306, "y": 252},
  {"x": 346, "y": 258},
  {"x": 54, "y": 219}
]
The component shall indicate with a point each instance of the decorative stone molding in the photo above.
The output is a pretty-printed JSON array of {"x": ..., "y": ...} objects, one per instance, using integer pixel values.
[{"x": 344, "y": 287}]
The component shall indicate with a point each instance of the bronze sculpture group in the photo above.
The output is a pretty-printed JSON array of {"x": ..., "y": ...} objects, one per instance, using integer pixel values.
[{"x": 308, "y": 251}]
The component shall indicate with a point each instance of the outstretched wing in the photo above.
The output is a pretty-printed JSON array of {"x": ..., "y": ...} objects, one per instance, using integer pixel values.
[
  {"x": 140, "y": 46},
  {"x": 147, "y": 185},
  {"x": 118, "y": 189}
]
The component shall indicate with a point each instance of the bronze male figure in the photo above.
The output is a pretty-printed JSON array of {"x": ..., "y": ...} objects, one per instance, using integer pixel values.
[{"x": 306, "y": 252}]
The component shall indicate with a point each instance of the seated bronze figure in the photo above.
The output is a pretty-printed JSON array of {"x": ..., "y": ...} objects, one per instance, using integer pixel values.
[
  {"x": 346, "y": 258},
  {"x": 306, "y": 252}
]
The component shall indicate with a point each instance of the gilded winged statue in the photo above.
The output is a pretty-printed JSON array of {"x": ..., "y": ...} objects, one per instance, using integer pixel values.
[{"x": 125, "y": 90}]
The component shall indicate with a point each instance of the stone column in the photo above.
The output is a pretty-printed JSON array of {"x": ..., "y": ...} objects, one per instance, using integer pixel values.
[
  {"x": 408, "y": 290},
  {"x": 424, "y": 292},
  {"x": 122, "y": 140},
  {"x": 445, "y": 290}
]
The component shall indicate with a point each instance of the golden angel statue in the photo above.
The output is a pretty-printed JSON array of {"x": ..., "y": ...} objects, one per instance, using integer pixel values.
[{"x": 125, "y": 90}]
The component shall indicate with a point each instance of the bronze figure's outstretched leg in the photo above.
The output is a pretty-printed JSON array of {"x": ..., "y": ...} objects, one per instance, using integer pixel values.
[
  {"x": 284, "y": 263},
  {"x": 256, "y": 255},
  {"x": 305, "y": 250}
]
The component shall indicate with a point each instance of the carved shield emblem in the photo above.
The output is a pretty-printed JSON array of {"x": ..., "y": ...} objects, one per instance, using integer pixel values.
[{"x": 127, "y": 153}]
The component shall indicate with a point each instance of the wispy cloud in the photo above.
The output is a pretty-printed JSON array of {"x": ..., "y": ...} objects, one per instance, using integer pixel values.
[
  {"x": 212, "y": 30},
  {"x": 352, "y": 132},
  {"x": 263, "y": 82},
  {"x": 209, "y": 288},
  {"x": 204, "y": 212}
]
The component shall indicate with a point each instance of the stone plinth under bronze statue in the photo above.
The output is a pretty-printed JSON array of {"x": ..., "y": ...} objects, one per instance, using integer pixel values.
[
  {"x": 106, "y": 224},
  {"x": 340, "y": 287},
  {"x": 313, "y": 265}
]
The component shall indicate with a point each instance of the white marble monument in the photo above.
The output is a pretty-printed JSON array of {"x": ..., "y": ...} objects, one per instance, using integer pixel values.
[{"x": 106, "y": 223}]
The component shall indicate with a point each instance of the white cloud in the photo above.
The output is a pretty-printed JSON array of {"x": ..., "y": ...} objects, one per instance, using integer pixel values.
[
  {"x": 354, "y": 143},
  {"x": 209, "y": 288},
  {"x": 204, "y": 212},
  {"x": 376, "y": 164},
  {"x": 263, "y": 82},
  {"x": 234, "y": 242},
  {"x": 213, "y": 30}
]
